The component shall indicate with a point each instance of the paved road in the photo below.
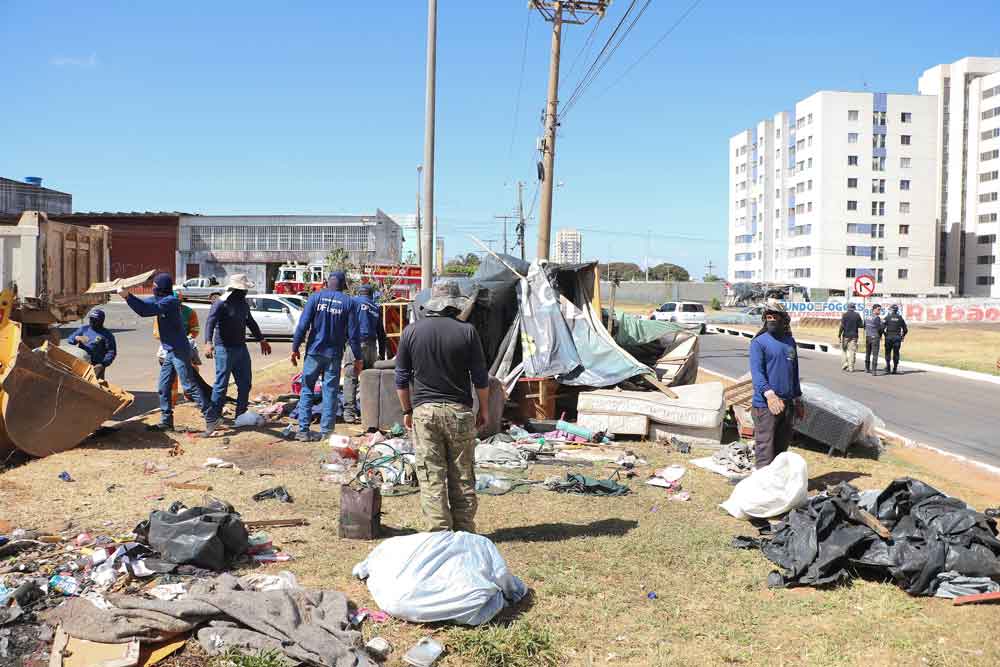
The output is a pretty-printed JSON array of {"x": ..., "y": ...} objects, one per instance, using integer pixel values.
[
  {"x": 136, "y": 368},
  {"x": 956, "y": 415}
]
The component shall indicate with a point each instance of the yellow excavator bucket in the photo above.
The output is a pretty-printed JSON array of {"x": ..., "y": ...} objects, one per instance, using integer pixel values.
[{"x": 50, "y": 401}]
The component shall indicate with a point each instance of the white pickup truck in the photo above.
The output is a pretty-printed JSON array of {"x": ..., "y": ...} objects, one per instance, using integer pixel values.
[{"x": 201, "y": 289}]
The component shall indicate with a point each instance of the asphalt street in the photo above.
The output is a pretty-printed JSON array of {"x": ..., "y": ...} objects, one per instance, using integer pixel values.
[
  {"x": 953, "y": 414},
  {"x": 136, "y": 368}
]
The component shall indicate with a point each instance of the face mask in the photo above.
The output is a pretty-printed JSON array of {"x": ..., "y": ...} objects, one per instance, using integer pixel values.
[{"x": 773, "y": 327}]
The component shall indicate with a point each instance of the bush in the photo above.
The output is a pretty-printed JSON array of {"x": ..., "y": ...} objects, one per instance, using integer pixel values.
[{"x": 716, "y": 304}]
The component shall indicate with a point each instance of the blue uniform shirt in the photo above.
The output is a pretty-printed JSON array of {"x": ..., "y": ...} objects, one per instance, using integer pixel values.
[
  {"x": 774, "y": 364},
  {"x": 370, "y": 321},
  {"x": 167, "y": 310},
  {"x": 228, "y": 321},
  {"x": 331, "y": 320},
  {"x": 100, "y": 344}
]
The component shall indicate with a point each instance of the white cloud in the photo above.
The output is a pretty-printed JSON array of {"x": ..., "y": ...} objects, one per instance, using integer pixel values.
[{"x": 62, "y": 61}]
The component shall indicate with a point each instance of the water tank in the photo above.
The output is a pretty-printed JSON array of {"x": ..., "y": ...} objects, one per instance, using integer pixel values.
[{"x": 33, "y": 180}]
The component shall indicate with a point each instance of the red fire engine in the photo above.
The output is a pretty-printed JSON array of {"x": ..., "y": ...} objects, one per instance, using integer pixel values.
[{"x": 304, "y": 278}]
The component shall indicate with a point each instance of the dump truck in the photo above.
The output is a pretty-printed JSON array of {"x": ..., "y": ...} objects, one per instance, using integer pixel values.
[{"x": 52, "y": 273}]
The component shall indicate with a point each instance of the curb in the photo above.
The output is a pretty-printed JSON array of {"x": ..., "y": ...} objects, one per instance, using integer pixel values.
[{"x": 831, "y": 348}]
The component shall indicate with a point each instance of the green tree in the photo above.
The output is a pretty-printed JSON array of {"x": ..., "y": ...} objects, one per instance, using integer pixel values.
[
  {"x": 669, "y": 272},
  {"x": 712, "y": 278}
]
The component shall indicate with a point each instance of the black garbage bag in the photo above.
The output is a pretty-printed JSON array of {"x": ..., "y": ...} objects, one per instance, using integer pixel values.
[{"x": 206, "y": 537}]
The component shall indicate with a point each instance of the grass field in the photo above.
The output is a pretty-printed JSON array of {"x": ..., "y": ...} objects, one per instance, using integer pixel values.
[{"x": 590, "y": 562}]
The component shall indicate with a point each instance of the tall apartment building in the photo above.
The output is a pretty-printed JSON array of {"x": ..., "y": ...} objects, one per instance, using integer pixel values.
[
  {"x": 569, "y": 246},
  {"x": 968, "y": 152},
  {"x": 842, "y": 186}
]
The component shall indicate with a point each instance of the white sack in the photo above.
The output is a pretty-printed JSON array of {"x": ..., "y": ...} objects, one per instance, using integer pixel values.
[
  {"x": 440, "y": 576},
  {"x": 772, "y": 490}
]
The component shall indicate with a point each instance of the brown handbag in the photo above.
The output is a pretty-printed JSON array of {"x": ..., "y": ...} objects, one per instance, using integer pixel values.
[{"x": 360, "y": 513}]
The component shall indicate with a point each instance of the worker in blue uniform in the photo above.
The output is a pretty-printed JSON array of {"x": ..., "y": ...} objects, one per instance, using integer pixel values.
[
  {"x": 96, "y": 341},
  {"x": 373, "y": 347}
]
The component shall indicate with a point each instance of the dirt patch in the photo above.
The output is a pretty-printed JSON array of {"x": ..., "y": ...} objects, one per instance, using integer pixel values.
[{"x": 975, "y": 479}]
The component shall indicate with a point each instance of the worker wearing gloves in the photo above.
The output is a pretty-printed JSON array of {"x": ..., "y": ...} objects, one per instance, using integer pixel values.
[
  {"x": 774, "y": 367},
  {"x": 850, "y": 324},
  {"x": 96, "y": 341},
  {"x": 177, "y": 359},
  {"x": 438, "y": 361},
  {"x": 328, "y": 323},
  {"x": 873, "y": 337},
  {"x": 192, "y": 328},
  {"x": 226, "y": 341},
  {"x": 373, "y": 346},
  {"x": 895, "y": 333}
]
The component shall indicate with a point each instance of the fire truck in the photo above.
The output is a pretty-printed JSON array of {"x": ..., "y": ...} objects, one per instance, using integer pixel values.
[{"x": 305, "y": 278}]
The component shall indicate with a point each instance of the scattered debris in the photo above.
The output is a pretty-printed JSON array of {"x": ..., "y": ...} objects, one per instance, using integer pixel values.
[{"x": 279, "y": 493}]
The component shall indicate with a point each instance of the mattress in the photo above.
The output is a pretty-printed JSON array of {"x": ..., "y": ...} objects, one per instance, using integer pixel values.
[{"x": 696, "y": 405}]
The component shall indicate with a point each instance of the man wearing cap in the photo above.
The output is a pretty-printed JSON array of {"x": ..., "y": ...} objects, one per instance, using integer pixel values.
[
  {"x": 96, "y": 341},
  {"x": 330, "y": 319},
  {"x": 177, "y": 351},
  {"x": 226, "y": 340},
  {"x": 850, "y": 324},
  {"x": 373, "y": 346},
  {"x": 873, "y": 338},
  {"x": 895, "y": 331},
  {"x": 438, "y": 361},
  {"x": 774, "y": 367}
]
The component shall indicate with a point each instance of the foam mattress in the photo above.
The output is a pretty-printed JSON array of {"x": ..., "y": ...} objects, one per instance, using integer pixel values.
[{"x": 696, "y": 405}]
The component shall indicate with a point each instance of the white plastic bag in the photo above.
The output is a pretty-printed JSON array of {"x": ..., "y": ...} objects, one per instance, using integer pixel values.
[
  {"x": 249, "y": 418},
  {"x": 772, "y": 490},
  {"x": 441, "y": 576}
]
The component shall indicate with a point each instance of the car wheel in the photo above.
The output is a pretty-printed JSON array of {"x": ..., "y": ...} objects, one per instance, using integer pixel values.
[{"x": 703, "y": 330}]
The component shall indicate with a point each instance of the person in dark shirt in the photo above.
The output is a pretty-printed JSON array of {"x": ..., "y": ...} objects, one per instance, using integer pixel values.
[
  {"x": 226, "y": 341},
  {"x": 373, "y": 346},
  {"x": 850, "y": 324},
  {"x": 330, "y": 319},
  {"x": 873, "y": 338},
  {"x": 177, "y": 351},
  {"x": 96, "y": 341},
  {"x": 438, "y": 361},
  {"x": 774, "y": 367},
  {"x": 895, "y": 331}
]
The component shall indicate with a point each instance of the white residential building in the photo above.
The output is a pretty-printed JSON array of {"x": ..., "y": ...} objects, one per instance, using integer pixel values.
[
  {"x": 569, "y": 247},
  {"x": 840, "y": 187},
  {"x": 968, "y": 98}
]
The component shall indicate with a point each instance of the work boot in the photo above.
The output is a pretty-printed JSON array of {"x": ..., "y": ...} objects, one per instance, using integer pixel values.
[
  {"x": 160, "y": 428},
  {"x": 211, "y": 427},
  {"x": 307, "y": 436},
  {"x": 350, "y": 418}
]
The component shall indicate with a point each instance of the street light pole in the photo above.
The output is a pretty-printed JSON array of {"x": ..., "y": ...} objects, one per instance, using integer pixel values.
[
  {"x": 427, "y": 233},
  {"x": 420, "y": 241}
]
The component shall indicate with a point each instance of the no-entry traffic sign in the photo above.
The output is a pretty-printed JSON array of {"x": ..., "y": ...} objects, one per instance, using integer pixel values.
[{"x": 864, "y": 285}]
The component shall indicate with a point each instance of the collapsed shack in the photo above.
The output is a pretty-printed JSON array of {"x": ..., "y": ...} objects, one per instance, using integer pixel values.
[{"x": 546, "y": 337}]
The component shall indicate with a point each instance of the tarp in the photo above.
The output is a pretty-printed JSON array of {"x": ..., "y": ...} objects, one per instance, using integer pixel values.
[{"x": 546, "y": 342}]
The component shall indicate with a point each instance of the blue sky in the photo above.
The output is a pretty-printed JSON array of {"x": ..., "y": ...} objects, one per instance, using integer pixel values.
[{"x": 317, "y": 107}]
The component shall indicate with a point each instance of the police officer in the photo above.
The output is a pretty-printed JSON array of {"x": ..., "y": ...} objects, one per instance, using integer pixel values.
[
  {"x": 330, "y": 319},
  {"x": 97, "y": 341},
  {"x": 895, "y": 331},
  {"x": 373, "y": 346}
]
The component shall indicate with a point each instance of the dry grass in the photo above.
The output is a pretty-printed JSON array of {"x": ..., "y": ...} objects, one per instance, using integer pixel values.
[
  {"x": 590, "y": 562},
  {"x": 968, "y": 347}
]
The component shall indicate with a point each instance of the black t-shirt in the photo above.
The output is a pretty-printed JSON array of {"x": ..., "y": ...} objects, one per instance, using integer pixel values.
[
  {"x": 437, "y": 357},
  {"x": 850, "y": 322}
]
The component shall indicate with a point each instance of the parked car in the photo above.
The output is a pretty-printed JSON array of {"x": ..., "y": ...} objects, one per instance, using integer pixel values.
[
  {"x": 754, "y": 312},
  {"x": 276, "y": 314},
  {"x": 686, "y": 313},
  {"x": 201, "y": 289}
]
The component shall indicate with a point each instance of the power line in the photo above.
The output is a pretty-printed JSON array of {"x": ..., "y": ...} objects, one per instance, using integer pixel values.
[
  {"x": 520, "y": 85},
  {"x": 656, "y": 44},
  {"x": 585, "y": 48}
]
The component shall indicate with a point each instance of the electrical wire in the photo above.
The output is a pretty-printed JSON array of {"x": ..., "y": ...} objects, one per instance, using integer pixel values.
[{"x": 520, "y": 86}]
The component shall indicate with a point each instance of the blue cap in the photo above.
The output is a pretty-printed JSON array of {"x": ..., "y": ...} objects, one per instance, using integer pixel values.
[
  {"x": 337, "y": 280},
  {"x": 163, "y": 284}
]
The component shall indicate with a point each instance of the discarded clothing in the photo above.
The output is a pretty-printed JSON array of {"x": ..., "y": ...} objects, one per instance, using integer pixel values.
[
  {"x": 440, "y": 576},
  {"x": 734, "y": 457},
  {"x": 588, "y": 486},
  {"x": 772, "y": 490},
  {"x": 496, "y": 452},
  {"x": 824, "y": 542},
  {"x": 305, "y": 626},
  {"x": 954, "y": 585}
]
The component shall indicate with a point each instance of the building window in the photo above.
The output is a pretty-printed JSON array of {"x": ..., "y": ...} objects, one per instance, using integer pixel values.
[
  {"x": 853, "y": 228},
  {"x": 906, "y": 117},
  {"x": 986, "y": 259},
  {"x": 810, "y": 164},
  {"x": 904, "y": 230},
  {"x": 810, "y": 119},
  {"x": 801, "y": 208},
  {"x": 852, "y": 114},
  {"x": 904, "y": 139},
  {"x": 852, "y": 160},
  {"x": 987, "y": 197},
  {"x": 878, "y": 208},
  {"x": 903, "y": 274},
  {"x": 987, "y": 176},
  {"x": 852, "y": 250},
  {"x": 904, "y": 251},
  {"x": 989, "y": 134},
  {"x": 809, "y": 184},
  {"x": 986, "y": 280},
  {"x": 878, "y": 185},
  {"x": 878, "y": 231},
  {"x": 777, "y": 133},
  {"x": 852, "y": 137},
  {"x": 989, "y": 155},
  {"x": 800, "y": 187},
  {"x": 810, "y": 142},
  {"x": 990, "y": 113},
  {"x": 801, "y": 166},
  {"x": 851, "y": 273},
  {"x": 809, "y": 208},
  {"x": 801, "y": 145},
  {"x": 878, "y": 164},
  {"x": 904, "y": 184},
  {"x": 852, "y": 183},
  {"x": 987, "y": 217},
  {"x": 904, "y": 163},
  {"x": 880, "y": 278},
  {"x": 904, "y": 207},
  {"x": 878, "y": 118},
  {"x": 852, "y": 205},
  {"x": 878, "y": 141}
]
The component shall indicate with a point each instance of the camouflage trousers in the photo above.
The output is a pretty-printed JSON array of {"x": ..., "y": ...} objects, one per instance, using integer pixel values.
[{"x": 445, "y": 444}]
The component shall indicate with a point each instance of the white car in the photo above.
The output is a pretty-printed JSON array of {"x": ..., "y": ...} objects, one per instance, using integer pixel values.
[
  {"x": 276, "y": 314},
  {"x": 686, "y": 313}
]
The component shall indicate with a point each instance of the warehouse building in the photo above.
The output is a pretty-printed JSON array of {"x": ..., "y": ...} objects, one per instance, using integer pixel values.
[{"x": 17, "y": 197}]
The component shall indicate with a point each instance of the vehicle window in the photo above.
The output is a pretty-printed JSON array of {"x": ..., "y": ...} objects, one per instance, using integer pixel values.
[
  {"x": 296, "y": 301},
  {"x": 692, "y": 308},
  {"x": 668, "y": 307},
  {"x": 193, "y": 282},
  {"x": 213, "y": 281},
  {"x": 288, "y": 275},
  {"x": 272, "y": 306}
]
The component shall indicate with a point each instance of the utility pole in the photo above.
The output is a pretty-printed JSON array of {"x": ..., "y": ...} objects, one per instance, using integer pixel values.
[
  {"x": 557, "y": 12},
  {"x": 647, "y": 255},
  {"x": 427, "y": 233},
  {"x": 505, "y": 218},
  {"x": 420, "y": 242},
  {"x": 520, "y": 217},
  {"x": 709, "y": 267}
]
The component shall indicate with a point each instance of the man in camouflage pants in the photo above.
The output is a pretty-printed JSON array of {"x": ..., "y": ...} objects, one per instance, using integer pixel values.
[{"x": 438, "y": 361}]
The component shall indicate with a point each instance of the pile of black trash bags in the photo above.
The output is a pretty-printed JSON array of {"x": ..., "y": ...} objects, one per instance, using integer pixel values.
[{"x": 934, "y": 540}]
